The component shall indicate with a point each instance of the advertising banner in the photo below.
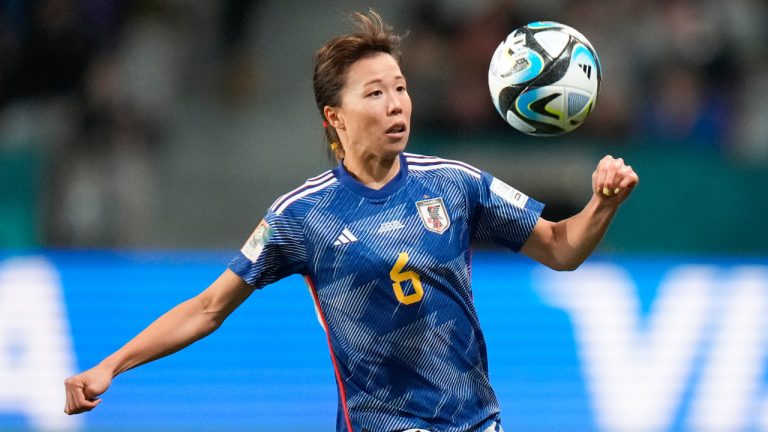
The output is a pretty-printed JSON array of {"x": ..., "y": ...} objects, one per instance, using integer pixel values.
[{"x": 636, "y": 344}]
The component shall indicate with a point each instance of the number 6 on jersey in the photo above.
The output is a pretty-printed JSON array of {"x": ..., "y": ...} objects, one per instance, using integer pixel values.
[{"x": 398, "y": 277}]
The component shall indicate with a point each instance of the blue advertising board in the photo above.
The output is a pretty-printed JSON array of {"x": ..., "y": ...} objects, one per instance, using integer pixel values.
[{"x": 621, "y": 344}]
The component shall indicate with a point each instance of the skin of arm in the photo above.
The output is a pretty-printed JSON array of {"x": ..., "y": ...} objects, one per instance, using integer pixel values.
[
  {"x": 566, "y": 244},
  {"x": 186, "y": 323}
]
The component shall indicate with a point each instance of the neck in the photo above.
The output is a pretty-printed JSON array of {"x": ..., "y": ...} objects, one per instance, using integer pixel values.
[{"x": 374, "y": 172}]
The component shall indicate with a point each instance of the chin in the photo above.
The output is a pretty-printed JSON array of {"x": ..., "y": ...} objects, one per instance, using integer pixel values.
[
  {"x": 401, "y": 144},
  {"x": 396, "y": 149}
]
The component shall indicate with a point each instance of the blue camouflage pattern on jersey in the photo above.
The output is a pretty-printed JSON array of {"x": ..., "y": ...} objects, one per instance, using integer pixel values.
[{"x": 391, "y": 284}]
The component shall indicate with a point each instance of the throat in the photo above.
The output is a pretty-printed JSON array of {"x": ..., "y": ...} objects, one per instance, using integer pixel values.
[{"x": 373, "y": 173}]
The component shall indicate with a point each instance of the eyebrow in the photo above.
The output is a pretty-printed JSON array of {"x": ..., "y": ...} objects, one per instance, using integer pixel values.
[{"x": 379, "y": 80}]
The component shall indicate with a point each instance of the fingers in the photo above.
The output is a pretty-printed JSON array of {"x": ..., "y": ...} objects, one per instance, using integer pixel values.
[
  {"x": 629, "y": 178},
  {"x": 606, "y": 175},
  {"x": 81, "y": 407},
  {"x": 612, "y": 176},
  {"x": 609, "y": 186},
  {"x": 76, "y": 401}
]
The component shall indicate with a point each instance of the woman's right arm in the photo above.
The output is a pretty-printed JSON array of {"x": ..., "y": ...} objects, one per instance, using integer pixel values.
[{"x": 179, "y": 327}]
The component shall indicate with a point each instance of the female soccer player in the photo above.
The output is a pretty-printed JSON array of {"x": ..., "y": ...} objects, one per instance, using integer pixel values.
[{"x": 383, "y": 241}]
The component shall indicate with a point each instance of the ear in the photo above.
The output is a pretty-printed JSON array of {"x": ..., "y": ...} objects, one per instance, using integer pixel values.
[{"x": 333, "y": 117}]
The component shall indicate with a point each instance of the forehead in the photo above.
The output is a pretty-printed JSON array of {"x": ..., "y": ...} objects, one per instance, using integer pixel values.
[{"x": 379, "y": 66}]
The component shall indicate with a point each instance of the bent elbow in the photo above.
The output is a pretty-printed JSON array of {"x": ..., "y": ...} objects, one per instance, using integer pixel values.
[
  {"x": 566, "y": 266},
  {"x": 210, "y": 318},
  {"x": 569, "y": 267},
  {"x": 214, "y": 319}
]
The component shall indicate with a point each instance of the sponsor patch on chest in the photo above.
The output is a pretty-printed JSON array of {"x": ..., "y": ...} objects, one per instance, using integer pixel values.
[
  {"x": 390, "y": 226},
  {"x": 434, "y": 215}
]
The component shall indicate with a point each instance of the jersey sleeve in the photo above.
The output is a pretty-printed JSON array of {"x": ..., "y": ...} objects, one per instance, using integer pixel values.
[
  {"x": 503, "y": 214},
  {"x": 274, "y": 250}
]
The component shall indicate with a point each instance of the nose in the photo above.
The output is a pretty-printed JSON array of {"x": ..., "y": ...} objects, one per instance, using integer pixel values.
[{"x": 395, "y": 106}]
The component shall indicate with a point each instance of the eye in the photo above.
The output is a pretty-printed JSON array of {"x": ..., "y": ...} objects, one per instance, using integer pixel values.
[
  {"x": 375, "y": 93},
  {"x": 401, "y": 89}
]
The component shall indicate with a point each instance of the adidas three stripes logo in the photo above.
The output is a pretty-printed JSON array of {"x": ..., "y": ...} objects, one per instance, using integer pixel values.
[{"x": 345, "y": 237}]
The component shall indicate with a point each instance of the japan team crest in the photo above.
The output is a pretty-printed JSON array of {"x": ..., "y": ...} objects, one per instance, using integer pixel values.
[{"x": 434, "y": 215}]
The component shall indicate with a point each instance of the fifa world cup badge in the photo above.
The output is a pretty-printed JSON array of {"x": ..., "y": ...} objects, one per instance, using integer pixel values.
[
  {"x": 434, "y": 215},
  {"x": 256, "y": 242}
]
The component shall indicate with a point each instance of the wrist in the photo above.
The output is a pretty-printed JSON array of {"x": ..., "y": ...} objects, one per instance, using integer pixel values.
[
  {"x": 600, "y": 203},
  {"x": 111, "y": 366}
]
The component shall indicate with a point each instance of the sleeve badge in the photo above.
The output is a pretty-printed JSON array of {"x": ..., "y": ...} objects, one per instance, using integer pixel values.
[{"x": 255, "y": 245}]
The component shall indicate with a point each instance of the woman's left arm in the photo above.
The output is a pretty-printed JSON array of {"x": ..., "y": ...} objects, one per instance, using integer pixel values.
[{"x": 566, "y": 244}]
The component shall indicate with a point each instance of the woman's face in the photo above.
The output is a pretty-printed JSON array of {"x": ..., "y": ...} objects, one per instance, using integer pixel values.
[{"x": 375, "y": 111}]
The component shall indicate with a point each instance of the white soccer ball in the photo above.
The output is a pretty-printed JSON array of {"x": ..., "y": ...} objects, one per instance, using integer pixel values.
[{"x": 544, "y": 78}]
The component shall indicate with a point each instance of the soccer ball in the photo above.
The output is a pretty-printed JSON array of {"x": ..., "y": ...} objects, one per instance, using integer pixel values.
[{"x": 544, "y": 78}]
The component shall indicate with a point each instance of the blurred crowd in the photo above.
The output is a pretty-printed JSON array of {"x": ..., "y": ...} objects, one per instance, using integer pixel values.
[
  {"x": 92, "y": 86},
  {"x": 676, "y": 72}
]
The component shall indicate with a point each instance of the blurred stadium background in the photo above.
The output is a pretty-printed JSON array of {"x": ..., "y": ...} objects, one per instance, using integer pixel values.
[{"x": 141, "y": 141}]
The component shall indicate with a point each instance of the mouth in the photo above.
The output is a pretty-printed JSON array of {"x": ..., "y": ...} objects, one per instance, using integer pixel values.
[{"x": 397, "y": 130}]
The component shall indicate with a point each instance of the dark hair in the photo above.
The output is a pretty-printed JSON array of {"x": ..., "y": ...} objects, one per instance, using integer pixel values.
[{"x": 333, "y": 60}]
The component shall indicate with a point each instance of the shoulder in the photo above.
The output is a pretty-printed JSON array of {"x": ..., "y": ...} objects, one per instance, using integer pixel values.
[
  {"x": 421, "y": 165},
  {"x": 308, "y": 193}
]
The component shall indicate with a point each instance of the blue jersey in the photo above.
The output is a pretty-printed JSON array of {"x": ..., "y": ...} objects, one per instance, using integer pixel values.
[{"x": 389, "y": 271}]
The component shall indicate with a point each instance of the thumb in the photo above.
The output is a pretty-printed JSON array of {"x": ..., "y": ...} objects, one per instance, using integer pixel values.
[
  {"x": 76, "y": 401},
  {"x": 91, "y": 394}
]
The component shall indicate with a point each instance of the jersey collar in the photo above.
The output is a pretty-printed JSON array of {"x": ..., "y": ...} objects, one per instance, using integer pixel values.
[{"x": 355, "y": 186}]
